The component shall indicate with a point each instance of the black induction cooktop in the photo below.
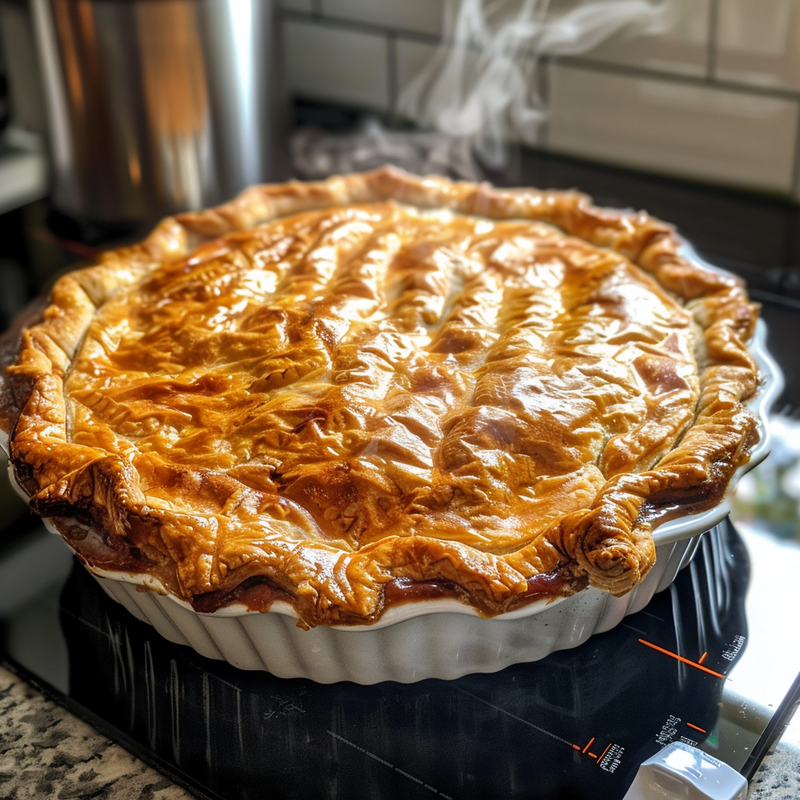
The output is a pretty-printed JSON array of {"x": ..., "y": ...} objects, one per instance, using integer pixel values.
[{"x": 690, "y": 667}]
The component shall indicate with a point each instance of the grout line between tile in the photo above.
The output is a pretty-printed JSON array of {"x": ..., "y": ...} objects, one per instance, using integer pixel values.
[
  {"x": 391, "y": 69},
  {"x": 326, "y": 20},
  {"x": 546, "y": 93},
  {"x": 713, "y": 22}
]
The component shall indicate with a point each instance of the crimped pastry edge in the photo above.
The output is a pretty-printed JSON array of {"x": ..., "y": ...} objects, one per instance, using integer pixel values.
[
  {"x": 650, "y": 244},
  {"x": 677, "y": 531}
]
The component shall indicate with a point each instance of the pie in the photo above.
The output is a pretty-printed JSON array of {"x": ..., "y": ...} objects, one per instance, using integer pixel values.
[{"x": 381, "y": 388}]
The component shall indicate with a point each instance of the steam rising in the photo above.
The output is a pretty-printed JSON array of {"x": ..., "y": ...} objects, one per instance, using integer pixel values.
[
  {"x": 481, "y": 89},
  {"x": 483, "y": 82}
]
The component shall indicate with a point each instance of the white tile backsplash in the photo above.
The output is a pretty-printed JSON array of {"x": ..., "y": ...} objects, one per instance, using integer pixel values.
[
  {"x": 331, "y": 63},
  {"x": 713, "y": 96},
  {"x": 758, "y": 43},
  {"x": 668, "y": 36},
  {"x": 683, "y": 129},
  {"x": 412, "y": 58},
  {"x": 677, "y": 42},
  {"x": 422, "y": 16}
]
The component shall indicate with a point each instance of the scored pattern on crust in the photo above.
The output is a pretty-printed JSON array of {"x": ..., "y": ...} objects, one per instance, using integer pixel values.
[{"x": 329, "y": 388}]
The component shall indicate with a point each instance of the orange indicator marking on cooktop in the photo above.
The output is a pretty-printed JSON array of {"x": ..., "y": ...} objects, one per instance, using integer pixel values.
[
  {"x": 681, "y": 658},
  {"x": 696, "y": 727},
  {"x": 585, "y": 750}
]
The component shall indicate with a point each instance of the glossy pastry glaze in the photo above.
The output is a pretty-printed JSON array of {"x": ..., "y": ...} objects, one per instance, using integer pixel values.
[{"x": 382, "y": 388}]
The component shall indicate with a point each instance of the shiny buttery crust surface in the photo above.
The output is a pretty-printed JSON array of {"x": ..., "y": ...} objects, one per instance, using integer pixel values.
[{"x": 377, "y": 387}]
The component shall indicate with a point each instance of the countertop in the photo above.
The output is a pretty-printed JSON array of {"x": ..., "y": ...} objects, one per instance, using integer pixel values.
[{"x": 47, "y": 752}]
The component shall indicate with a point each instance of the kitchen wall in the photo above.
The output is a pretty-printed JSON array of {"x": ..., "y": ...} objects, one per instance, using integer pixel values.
[{"x": 714, "y": 96}]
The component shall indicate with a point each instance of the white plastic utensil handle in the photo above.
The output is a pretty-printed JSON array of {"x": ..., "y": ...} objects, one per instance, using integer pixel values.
[{"x": 683, "y": 772}]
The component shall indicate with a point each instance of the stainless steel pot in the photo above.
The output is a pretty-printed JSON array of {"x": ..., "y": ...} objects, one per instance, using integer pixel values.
[{"x": 157, "y": 106}]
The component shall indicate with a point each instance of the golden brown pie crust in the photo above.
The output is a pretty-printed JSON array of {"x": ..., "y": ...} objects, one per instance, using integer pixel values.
[{"x": 378, "y": 387}]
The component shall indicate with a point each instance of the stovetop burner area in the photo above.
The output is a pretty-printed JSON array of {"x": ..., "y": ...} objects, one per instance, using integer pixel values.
[{"x": 713, "y": 661}]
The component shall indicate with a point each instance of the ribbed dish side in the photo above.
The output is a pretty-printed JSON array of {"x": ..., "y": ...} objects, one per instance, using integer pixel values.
[{"x": 437, "y": 645}]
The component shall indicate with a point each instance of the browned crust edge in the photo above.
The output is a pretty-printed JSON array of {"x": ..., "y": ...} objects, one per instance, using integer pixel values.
[{"x": 609, "y": 545}]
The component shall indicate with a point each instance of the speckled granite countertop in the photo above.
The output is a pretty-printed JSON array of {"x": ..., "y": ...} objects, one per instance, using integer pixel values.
[
  {"x": 778, "y": 777},
  {"x": 46, "y": 752}
]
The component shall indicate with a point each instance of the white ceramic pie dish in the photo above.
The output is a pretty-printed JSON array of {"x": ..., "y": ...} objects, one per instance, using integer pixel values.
[
  {"x": 438, "y": 638},
  {"x": 434, "y": 638}
]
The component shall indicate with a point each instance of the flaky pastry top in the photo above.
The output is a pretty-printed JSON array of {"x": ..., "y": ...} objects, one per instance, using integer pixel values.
[{"x": 380, "y": 387}]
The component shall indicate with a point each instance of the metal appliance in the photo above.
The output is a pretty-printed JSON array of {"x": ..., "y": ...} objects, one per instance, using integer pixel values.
[{"x": 157, "y": 106}]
